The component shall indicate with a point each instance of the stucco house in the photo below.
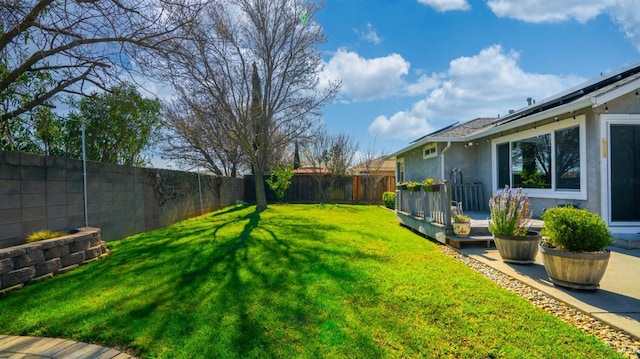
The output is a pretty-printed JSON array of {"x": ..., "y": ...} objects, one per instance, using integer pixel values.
[{"x": 580, "y": 147}]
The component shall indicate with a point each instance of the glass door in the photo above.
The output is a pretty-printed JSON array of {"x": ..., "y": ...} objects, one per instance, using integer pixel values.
[{"x": 624, "y": 174}]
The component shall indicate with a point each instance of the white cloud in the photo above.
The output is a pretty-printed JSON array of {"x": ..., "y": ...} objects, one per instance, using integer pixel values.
[
  {"x": 447, "y": 5},
  {"x": 628, "y": 19},
  {"x": 538, "y": 11},
  {"x": 369, "y": 34},
  {"x": 366, "y": 79},
  {"x": 401, "y": 125},
  {"x": 483, "y": 85},
  {"x": 623, "y": 12},
  {"x": 422, "y": 85}
]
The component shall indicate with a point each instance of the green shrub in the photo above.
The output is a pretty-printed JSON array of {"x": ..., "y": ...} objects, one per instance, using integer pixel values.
[
  {"x": 389, "y": 199},
  {"x": 575, "y": 229},
  {"x": 280, "y": 179},
  {"x": 44, "y": 234}
]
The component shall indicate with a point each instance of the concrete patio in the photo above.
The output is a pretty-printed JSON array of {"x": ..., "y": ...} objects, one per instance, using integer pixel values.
[{"x": 616, "y": 303}]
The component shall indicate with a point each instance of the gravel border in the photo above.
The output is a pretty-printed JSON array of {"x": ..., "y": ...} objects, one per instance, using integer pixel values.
[{"x": 619, "y": 340}]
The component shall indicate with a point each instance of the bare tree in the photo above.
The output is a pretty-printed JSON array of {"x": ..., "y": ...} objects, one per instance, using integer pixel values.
[
  {"x": 75, "y": 47},
  {"x": 342, "y": 151},
  {"x": 213, "y": 65},
  {"x": 330, "y": 156},
  {"x": 316, "y": 155},
  {"x": 371, "y": 162},
  {"x": 198, "y": 140}
]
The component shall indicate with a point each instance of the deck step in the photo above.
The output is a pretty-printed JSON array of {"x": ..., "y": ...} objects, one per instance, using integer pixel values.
[
  {"x": 457, "y": 242},
  {"x": 626, "y": 240}
]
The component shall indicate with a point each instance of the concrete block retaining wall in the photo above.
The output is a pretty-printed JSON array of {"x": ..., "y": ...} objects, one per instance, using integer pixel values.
[
  {"x": 46, "y": 192},
  {"x": 33, "y": 262}
]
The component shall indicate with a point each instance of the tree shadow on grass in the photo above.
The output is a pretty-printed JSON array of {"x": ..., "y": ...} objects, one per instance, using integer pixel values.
[{"x": 220, "y": 286}]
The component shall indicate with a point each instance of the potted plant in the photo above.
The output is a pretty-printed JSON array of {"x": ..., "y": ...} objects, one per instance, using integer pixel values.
[
  {"x": 461, "y": 225},
  {"x": 574, "y": 248},
  {"x": 510, "y": 223},
  {"x": 431, "y": 185},
  {"x": 414, "y": 186},
  {"x": 401, "y": 186}
]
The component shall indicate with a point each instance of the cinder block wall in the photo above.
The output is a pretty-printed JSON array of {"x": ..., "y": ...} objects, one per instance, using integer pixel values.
[{"x": 45, "y": 192}]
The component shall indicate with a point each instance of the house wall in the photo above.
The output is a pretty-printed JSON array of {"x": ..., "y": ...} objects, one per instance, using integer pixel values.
[
  {"x": 418, "y": 169},
  {"x": 474, "y": 162},
  {"x": 457, "y": 156}
]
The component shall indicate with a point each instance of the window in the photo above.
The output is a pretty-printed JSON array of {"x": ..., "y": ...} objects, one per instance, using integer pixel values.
[
  {"x": 531, "y": 162},
  {"x": 568, "y": 159},
  {"x": 549, "y": 160},
  {"x": 400, "y": 170},
  {"x": 430, "y": 151}
]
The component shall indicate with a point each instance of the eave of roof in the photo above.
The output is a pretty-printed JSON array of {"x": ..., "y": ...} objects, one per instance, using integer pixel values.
[{"x": 452, "y": 133}]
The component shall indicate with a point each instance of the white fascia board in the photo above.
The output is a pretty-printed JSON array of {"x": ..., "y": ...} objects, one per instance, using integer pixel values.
[
  {"x": 404, "y": 150},
  {"x": 556, "y": 111},
  {"x": 423, "y": 142},
  {"x": 615, "y": 93}
]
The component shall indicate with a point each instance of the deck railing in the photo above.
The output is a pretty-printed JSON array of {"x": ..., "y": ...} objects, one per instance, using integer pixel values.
[
  {"x": 432, "y": 206},
  {"x": 436, "y": 205},
  {"x": 470, "y": 196}
]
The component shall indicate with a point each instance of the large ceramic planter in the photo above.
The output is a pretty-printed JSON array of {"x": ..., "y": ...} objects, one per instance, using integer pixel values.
[
  {"x": 575, "y": 270},
  {"x": 461, "y": 229},
  {"x": 518, "y": 249}
]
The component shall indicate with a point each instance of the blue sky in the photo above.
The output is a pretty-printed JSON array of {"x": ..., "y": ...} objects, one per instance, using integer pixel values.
[{"x": 412, "y": 66}]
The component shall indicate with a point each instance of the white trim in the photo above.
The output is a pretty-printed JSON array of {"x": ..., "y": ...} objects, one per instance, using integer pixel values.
[
  {"x": 432, "y": 148},
  {"x": 549, "y": 128},
  {"x": 562, "y": 110},
  {"x": 404, "y": 170},
  {"x": 605, "y": 170},
  {"x": 616, "y": 92}
]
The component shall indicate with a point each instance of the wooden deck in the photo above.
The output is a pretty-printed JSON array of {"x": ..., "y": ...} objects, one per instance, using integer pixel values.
[
  {"x": 480, "y": 234},
  {"x": 34, "y": 348}
]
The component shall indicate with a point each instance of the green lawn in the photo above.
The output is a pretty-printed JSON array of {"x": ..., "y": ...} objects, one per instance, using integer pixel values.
[{"x": 293, "y": 281}]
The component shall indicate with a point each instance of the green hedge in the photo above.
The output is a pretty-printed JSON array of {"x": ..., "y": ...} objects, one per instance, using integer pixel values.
[{"x": 389, "y": 199}]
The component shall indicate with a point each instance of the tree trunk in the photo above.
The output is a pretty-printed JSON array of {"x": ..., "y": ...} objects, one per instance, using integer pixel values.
[{"x": 261, "y": 196}]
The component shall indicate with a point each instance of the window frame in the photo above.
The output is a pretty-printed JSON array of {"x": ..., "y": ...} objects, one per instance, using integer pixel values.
[
  {"x": 553, "y": 192},
  {"x": 430, "y": 150}
]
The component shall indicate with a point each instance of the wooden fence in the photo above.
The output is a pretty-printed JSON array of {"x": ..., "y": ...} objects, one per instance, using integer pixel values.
[{"x": 328, "y": 189}]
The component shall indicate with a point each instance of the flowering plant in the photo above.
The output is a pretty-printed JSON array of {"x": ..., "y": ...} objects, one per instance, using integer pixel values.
[
  {"x": 510, "y": 214},
  {"x": 462, "y": 218}
]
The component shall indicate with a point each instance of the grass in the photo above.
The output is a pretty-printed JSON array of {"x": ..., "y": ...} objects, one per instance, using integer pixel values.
[
  {"x": 292, "y": 281},
  {"x": 44, "y": 234}
]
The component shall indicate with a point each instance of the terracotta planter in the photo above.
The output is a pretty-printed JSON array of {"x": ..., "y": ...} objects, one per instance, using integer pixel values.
[
  {"x": 575, "y": 270},
  {"x": 518, "y": 249},
  {"x": 461, "y": 229}
]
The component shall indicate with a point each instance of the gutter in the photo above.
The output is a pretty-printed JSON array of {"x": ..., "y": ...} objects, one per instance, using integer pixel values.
[{"x": 442, "y": 159}]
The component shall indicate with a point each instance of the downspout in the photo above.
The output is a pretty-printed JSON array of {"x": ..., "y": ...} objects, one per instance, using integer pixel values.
[{"x": 442, "y": 159}]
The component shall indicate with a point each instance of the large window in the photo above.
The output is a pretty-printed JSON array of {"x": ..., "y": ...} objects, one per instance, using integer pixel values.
[{"x": 549, "y": 160}]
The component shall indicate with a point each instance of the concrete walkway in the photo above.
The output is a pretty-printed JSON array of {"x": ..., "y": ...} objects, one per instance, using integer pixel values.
[
  {"x": 616, "y": 303},
  {"x": 37, "y": 348}
]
